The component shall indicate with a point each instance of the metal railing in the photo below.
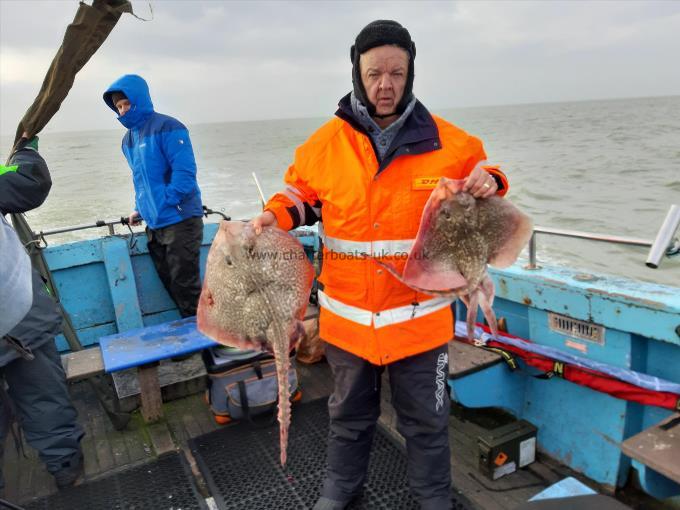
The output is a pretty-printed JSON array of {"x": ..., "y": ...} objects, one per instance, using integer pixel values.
[
  {"x": 95, "y": 224},
  {"x": 39, "y": 237},
  {"x": 663, "y": 244}
]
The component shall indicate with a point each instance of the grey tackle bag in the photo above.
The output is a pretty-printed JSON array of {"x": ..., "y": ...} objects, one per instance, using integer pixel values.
[{"x": 243, "y": 384}]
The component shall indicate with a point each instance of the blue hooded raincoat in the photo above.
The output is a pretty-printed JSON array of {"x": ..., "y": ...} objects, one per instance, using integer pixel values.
[{"x": 158, "y": 149}]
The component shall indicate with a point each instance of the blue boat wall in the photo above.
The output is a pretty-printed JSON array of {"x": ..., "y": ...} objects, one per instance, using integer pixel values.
[
  {"x": 581, "y": 427},
  {"x": 108, "y": 287}
]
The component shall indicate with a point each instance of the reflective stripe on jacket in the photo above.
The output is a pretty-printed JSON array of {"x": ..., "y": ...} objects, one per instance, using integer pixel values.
[
  {"x": 372, "y": 208},
  {"x": 25, "y": 184}
]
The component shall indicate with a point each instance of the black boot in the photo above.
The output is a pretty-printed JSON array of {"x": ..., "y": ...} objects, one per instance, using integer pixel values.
[{"x": 71, "y": 474}]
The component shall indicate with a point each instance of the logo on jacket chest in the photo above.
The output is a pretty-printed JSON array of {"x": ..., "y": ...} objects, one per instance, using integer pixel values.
[{"x": 420, "y": 183}]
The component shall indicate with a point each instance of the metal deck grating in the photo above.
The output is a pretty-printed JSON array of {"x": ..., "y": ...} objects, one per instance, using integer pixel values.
[
  {"x": 163, "y": 484},
  {"x": 241, "y": 466}
]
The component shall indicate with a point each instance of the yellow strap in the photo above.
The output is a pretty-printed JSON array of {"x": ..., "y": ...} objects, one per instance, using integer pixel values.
[{"x": 558, "y": 369}]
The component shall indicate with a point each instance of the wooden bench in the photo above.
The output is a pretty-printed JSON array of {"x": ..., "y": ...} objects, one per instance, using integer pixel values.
[
  {"x": 480, "y": 378},
  {"x": 140, "y": 348},
  {"x": 465, "y": 359},
  {"x": 658, "y": 447},
  {"x": 144, "y": 348},
  {"x": 83, "y": 364}
]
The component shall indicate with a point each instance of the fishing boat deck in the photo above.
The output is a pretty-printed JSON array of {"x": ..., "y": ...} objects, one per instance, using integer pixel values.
[{"x": 107, "y": 450}]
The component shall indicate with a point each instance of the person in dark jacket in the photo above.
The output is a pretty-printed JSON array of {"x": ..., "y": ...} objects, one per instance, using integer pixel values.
[
  {"x": 30, "y": 366},
  {"x": 158, "y": 149}
]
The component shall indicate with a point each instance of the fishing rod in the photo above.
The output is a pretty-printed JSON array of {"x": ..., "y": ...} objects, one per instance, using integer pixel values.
[
  {"x": 259, "y": 190},
  {"x": 208, "y": 210},
  {"x": 123, "y": 220},
  {"x": 85, "y": 226}
]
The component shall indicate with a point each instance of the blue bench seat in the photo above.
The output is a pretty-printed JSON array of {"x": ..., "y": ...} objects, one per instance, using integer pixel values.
[{"x": 142, "y": 346}]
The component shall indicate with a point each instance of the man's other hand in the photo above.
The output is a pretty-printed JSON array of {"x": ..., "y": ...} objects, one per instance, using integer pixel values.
[
  {"x": 480, "y": 183},
  {"x": 134, "y": 218},
  {"x": 266, "y": 219}
]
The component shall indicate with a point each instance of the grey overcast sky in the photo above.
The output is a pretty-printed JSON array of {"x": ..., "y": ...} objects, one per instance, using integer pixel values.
[{"x": 212, "y": 61}]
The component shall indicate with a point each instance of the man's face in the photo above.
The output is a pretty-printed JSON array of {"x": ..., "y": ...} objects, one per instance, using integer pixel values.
[
  {"x": 122, "y": 105},
  {"x": 384, "y": 70}
]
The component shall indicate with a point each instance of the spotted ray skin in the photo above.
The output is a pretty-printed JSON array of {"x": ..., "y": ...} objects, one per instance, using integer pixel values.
[
  {"x": 255, "y": 294},
  {"x": 459, "y": 236}
]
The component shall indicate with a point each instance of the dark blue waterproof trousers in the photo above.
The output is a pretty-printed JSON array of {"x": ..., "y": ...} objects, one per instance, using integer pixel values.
[
  {"x": 421, "y": 400},
  {"x": 175, "y": 251},
  {"x": 38, "y": 392}
]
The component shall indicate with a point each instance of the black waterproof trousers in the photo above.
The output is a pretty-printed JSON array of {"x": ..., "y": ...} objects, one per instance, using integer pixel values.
[
  {"x": 39, "y": 395},
  {"x": 175, "y": 251},
  {"x": 421, "y": 400}
]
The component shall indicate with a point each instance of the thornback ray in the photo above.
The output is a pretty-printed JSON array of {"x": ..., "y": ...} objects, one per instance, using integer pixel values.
[
  {"x": 459, "y": 235},
  {"x": 255, "y": 294}
]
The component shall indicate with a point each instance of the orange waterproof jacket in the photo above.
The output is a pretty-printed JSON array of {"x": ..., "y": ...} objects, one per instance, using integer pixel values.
[{"x": 375, "y": 208}]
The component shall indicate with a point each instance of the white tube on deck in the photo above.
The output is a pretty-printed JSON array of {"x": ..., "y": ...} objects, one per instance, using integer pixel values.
[{"x": 664, "y": 237}]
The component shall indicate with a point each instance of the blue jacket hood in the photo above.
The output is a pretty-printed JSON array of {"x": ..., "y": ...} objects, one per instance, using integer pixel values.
[{"x": 137, "y": 91}]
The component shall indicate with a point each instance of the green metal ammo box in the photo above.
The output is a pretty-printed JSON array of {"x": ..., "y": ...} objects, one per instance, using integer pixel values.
[{"x": 505, "y": 449}]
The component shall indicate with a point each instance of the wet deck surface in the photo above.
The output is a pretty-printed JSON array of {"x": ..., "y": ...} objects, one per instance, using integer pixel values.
[{"x": 106, "y": 449}]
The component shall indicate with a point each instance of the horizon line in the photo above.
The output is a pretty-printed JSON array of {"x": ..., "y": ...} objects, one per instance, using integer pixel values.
[{"x": 433, "y": 109}]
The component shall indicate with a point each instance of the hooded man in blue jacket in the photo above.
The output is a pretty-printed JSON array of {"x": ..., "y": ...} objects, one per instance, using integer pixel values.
[{"x": 158, "y": 149}]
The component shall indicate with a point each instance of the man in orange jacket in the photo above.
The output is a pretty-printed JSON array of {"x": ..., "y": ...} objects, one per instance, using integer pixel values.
[{"x": 368, "y": 173}]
